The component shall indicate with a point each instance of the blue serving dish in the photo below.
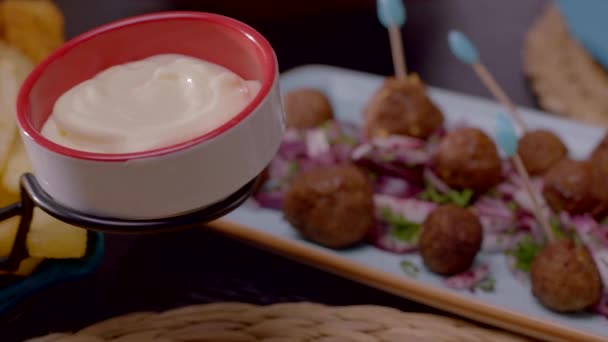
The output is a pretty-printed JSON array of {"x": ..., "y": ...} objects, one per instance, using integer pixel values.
[{"x": 52, "y": 272}]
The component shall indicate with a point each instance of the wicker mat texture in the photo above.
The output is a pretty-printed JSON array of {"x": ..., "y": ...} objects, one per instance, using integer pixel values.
[{"x": 238, "y": 322}]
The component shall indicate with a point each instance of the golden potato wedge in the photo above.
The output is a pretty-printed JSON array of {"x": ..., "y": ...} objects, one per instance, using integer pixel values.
[
  {"x": 36, "y": 27},
  {"x": 8, "y": 232},
  {"x": 26, "y": 267},
  {"x": 12, "y": 72},
  {"x": 54, "y": 239},
  {"x": 47, "y": 238},
  {"x": 22, "y": 64}
]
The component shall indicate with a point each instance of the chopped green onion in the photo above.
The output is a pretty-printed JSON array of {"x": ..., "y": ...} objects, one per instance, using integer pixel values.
[
  {"x": 524, "y": 253},
  {"x": 430, "y": 194},
  {"x": 401, "y": 228},
  {"x": 409, "y": 268},
  {"x": 461, "y": 199},
  {"x": 555, "y": 224},
  {"x": 293, "y": 168},
  {"x": 488, "y": 284}
]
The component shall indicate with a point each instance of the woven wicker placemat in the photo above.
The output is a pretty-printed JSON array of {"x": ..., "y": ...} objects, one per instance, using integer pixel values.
[
  {"x": 565, "y": 77},
  {"x": 294, "y": 322}
]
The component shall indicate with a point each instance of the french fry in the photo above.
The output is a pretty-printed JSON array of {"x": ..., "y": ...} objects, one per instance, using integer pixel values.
[
  {"x": 54, "y": 239},
  {"x": 8, "y": 232},
  {"x": 23, "y": 64},
  {"x": 36, "y": 27},
  {"x": 29, "y": 31},
  {"x": 14, "y": 68},
  {"x": 47, "y": 238},
  {"x": 26, "y": 267}
]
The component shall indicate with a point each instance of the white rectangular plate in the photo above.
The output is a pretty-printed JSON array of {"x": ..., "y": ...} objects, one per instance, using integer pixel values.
[{"x": 510, "y": 306}]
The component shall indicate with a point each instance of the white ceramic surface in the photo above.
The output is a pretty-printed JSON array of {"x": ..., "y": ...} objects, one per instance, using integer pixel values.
[{"x": 348, "y": 91}]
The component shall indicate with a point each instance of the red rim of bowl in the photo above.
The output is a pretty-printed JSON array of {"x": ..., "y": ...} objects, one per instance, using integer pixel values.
[{"x": 268, "y": 67}]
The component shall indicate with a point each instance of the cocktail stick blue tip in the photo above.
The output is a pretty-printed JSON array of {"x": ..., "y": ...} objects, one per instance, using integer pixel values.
[
  {"x": 505, "y": 135},
  {"x": 466, "y": 52},
  {"x": 391, "y": 12},
  {"x": 462, "y": 47}
]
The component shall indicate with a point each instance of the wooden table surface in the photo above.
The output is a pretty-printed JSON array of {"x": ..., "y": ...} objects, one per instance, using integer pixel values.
[{"x": 164, "y": 271}]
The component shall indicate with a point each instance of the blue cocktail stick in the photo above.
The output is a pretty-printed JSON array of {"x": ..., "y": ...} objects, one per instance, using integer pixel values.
[
  {"x": 505, "y": 135},
  {"x": 464, "y": 49},
  {"x": 392, "y": 15},
  {"x": 391, "y": 12},
  {"x": 506, "y": 139}
]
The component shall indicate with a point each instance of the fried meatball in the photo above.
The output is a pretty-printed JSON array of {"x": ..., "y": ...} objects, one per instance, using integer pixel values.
[
  {"x": 565, "y": 278},
  {"x": 468, "y": 158},
  {"x": 332, "y": 206},
  {"x": 401, "y": 107},
  {"x": 451, "y": 237},
  {"x": 539, "y": 150},
  {"x": 569, "y": 186},
  {"x": 307, "y": 108}
]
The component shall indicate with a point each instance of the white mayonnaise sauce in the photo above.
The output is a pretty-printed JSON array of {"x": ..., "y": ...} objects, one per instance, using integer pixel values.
[{"x": 155, "y": 102}]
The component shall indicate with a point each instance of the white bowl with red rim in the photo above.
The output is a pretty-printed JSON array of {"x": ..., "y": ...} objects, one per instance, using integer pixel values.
[{"x": 168, "y": 181}]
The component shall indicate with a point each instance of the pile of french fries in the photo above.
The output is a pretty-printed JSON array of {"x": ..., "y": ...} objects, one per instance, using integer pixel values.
[{"x": 29, "y": 31}]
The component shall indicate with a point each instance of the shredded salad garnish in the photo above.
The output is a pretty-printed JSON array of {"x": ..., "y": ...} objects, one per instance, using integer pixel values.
[{"x": 478, "y": 277}]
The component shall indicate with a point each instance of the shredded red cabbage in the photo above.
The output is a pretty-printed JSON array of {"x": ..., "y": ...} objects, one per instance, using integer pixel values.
[
  {"x": 303, "y": 150},
  {"x": 412, "y": 209},
  {"x": 394, "y": 186},
  {"x": 381, "y": 237},
  {"x": 435, "y": 182},
  {"x": 495, "y": 215},
  {"x": 469, "y": 279},
  {"x": 395, "y": 156},
  {"x": 398, "y": 223}
]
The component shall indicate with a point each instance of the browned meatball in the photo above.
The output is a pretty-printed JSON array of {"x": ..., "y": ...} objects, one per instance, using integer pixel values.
[
  {"x": 332, "y": 206},
  {"x": 539, "y": 150},
  {"x": 569, "y": 186},
  {"x": 401, "y": 107},
  {"x": 468, "y": 158},
  {"x": 451, "y": 237},
  {"x": 307, "y": 108},
  {"x": 565, "y": 277}
]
